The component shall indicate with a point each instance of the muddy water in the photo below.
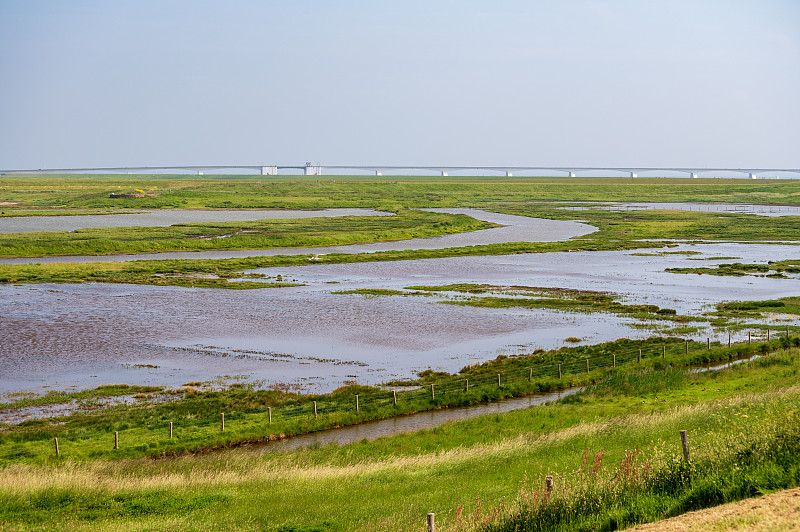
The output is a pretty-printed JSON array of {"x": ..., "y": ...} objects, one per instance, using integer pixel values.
[
  {"x": 422, "y": 420},
  {"x": 163, "y": 218},
  {"x": 309, "y": 338}
]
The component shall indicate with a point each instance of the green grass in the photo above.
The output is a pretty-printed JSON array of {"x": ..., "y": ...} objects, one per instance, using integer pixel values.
[
  {"x": 262, "y": 234},
  {"x": 552, "y": 298},
  {"x": 215, "y": 273},
  {"x": 778, "y": 269},
  {"x": 485, "y": 472},
  {"x": 196, "y": 413},
  {"x": 304, "y": 192}
]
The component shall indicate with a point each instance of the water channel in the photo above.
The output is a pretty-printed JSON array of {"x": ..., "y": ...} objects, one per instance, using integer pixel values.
[{"x": 311, "y": 338}]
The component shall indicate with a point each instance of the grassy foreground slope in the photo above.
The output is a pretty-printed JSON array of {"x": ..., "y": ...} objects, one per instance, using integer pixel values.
[{"x": 614, "y": 452}]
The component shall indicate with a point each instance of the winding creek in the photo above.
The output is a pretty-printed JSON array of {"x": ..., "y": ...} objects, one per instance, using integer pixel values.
[{"x": 310, "y": 338}]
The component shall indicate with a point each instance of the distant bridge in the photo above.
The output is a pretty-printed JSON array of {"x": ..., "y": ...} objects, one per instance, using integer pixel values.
[{"x": 312, "y": 169}]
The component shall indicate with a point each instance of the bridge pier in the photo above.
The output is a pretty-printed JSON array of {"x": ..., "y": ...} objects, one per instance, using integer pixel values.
[
  {"x": 509, "y": 174},
  {"x": 312, "y": 170},
  {"x": 444, "y": 174},
  {"x": 693, "y": 175},
  {"x": 753, "y": 175},
  {"x": 269, "y": 170},
  {"x": 378, "y": 172},
  {"x": 633, "y": 174},
  {"x": 571, "y": 174}
]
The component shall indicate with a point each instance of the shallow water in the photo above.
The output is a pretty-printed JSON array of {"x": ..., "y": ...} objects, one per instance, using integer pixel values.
[
  {"x": 514, "y": 229},
  {"x": 419, "y": 421},
  {"x": 733, "y": 208},
  {"x": 309, "y": 338},
  {"x": 164, "y": 218}
]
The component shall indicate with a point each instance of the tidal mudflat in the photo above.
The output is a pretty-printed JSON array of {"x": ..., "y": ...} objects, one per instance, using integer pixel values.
[{"x": 310, "y": 338}]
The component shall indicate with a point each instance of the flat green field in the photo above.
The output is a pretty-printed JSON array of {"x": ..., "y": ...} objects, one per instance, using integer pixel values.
[{"x": 306, "y": 192}]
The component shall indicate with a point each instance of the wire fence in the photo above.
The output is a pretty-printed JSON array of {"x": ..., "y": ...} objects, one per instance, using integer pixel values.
[{"x": 188, "y": 431}]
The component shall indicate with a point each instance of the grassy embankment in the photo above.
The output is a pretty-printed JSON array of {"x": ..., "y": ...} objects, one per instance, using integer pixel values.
[
  {"x": 260, "y": 415},
  {"x": 613, "y": 450}
]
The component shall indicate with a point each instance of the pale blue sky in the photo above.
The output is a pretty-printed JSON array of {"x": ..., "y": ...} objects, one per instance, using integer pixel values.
[{"x": 502, "y": 82}]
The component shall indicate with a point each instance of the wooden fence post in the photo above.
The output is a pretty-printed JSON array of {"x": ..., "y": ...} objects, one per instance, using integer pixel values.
[
  {"x": 269, "y": 411},
  {"x": 356, "y": 403},
  {"x": 559, "y": 371},
  {"x": 431, "y": 522},
  {"x": 729, "y": 339},
  {"x": 394, "y": 397},
  {"x": 640, "y": 355},
  {"x": 466, "y": 385},
  {"x": 58, "y": 453},
  {"x": 433, "y": 394},
  {"x": 614, "y": 361},
  {"x": 548, "y": 482},
  {"x": 170, "y": 430},
  {"x": 664, "y": 351},
  {"x": 787, "y": 331},
  {"x": 530, "y": 374},
  {"x": 222, "y": 415},
  {"x": 685, "y": 444},
  {"x": 748, "y": 338},
  {"x": 116, "y": 440},
  {"x": 498, "y": 380},
  {"x": 767, "y": 335},
  {"x": 587, "y": 365},
  {"x": 687, "y": 347},
  {"x": 708, "y": 343},
  {"x": 315, "y": 409}
]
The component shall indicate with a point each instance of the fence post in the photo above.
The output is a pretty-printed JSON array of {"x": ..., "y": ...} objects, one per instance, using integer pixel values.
[
  {"x": 433, "y": 394},
  {"x": 614, "y": 361},
  {"x": 170, "y": 430},
  {"x": 708, "y": 343},
  {"x": 767, "y": 335},
  {"x": 116, "y": 440},
  {"x": 587, "y": 365},
  {"x": 315, "y": 409},
  {"x": 640, "y": 355},
  {"x": 466, "y": 385},
  {"x": 222, "y": 414},
  {"x": 748, "y": 338},
  {"x": 269, "y": 412},
  {"x": 548, "y": 482},
  {"x": 685, "y": 445},
  {"x": 394, "y": 397},
  {"x": 431, "y": 523},
  {"x": 498, "y": 380},
  {"x": 729, "y": 339},
  {"x": 356, "y": 403},
  {"x": 58, "y": 453},
  {"x": 787, "y": 331},
  {"x": 530, "y": 374},
  {"x": 559, "y": 371},
  {"x": 663, "y": 350},
  {"x": 687, "y": 347}
]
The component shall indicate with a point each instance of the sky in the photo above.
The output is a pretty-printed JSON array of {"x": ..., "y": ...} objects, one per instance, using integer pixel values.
[{"x": 92, "y": 83}]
